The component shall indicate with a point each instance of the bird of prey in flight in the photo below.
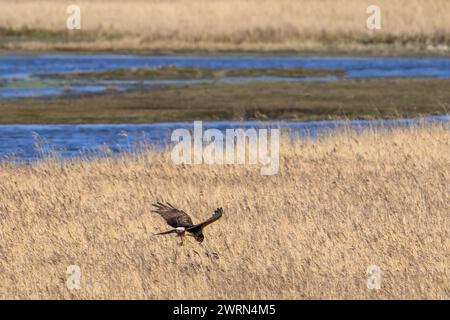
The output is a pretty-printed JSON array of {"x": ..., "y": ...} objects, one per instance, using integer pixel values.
[{"x": 182, "y": 222}]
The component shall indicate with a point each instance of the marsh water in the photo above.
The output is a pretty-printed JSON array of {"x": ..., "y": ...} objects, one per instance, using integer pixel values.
[
  {"x": 29, "y": 142},
  {"x": 18, "y": 74},
  {"x": 18, "y": 80}
]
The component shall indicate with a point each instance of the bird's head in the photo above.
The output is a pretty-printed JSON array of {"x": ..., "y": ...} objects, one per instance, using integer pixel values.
[{"x": 199, "y": 237}]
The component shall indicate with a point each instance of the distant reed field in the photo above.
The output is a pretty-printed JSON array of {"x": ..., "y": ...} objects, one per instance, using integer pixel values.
[
  {"x": 224, "y": 25},
  {"x": 338, "y": 205}
]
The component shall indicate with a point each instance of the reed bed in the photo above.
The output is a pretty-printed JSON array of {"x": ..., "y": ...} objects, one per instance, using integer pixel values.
[
  {"x": 224, "y": 24},
  {"x": 338, "y": 204}
]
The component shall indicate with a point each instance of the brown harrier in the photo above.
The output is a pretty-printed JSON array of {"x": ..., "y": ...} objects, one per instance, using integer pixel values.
[{"x": 181, "y": 221}]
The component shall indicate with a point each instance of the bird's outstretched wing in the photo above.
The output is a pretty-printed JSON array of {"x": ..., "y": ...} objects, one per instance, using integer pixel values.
[
  {"x": 216, "y": 216},
  {"x": 174, "y": 217}
]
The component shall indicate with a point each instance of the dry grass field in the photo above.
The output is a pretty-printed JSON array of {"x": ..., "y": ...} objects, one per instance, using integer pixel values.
[
  {"x": 338, "y": 205},
  {"x": 223, "y": 25}
]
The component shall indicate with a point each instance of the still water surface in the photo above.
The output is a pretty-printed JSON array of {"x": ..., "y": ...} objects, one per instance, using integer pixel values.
[{"x": 25, "y": 142}]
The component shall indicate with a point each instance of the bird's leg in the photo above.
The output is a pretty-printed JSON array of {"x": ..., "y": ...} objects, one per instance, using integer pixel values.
[{"x": 182, "y": 238}]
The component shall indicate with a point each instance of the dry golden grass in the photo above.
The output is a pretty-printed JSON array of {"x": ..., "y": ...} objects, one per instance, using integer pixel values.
[
  {"x": 337, "y": 206},
  {"x": 233, "y": 24}
]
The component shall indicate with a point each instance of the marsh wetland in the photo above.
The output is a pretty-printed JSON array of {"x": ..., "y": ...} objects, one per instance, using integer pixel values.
[{"x": 142, "y": 94}]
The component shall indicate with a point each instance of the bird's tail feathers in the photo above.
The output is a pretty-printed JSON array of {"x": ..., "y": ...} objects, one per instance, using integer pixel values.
[{"x": 165, "y": 232}]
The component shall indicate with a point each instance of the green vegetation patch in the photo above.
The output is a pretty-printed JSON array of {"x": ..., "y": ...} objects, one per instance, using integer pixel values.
[
  {"x": 174, "y": 72},
  {"x": 45, "y": 35},
  {"x": 356, "y": 98}
]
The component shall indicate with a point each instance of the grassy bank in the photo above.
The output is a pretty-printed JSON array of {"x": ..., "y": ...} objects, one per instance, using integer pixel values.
[
  {"x": 368, "y": 99},
  {"x": 200, "y": 25},
  {"x": 336, "y": 206},
  {"x": 174, "y": 72}
]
